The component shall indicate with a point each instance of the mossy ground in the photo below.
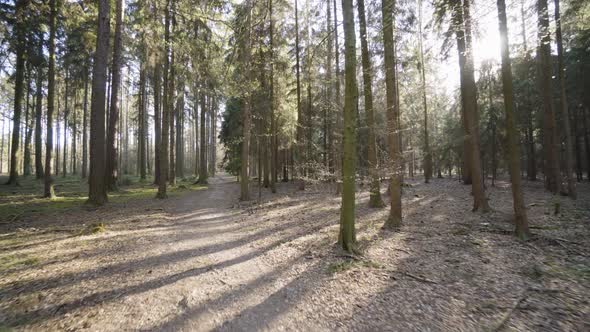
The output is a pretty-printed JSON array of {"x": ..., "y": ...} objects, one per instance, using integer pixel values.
[{"x": 25, "y": 200}]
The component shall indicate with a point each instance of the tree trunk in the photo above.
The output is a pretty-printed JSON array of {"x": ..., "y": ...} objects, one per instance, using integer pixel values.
[
  {"x": 48, "y": 181},
  {"x": 142, "y": 132},
  {"x": 74, "y": 135},
  {"x": 565, "y": 118},
  {"x": 180, "y": 131},
  {"x": 157, "y": 121},
  {"x": 173, "y": 112},
  {"x": 338, "y": 118},
  {"x": 299, "y": 157},
  {"x": 203, "y": 174},
  {"x": 85, "y": 124},
  {"x": 165, "y": 111},
  {"x": 28, "y": 127},
  {"x": 97, "y": 193},
  {"x": 65, "y": 115},
  {"x": 375, "y": 200},
  {"x": 427, "y": 152},
  {"x": 111, "y": 152},
  {"x": 19, "y": 89},
  {"x": 347, "y": 236},
  {"x": 550, "y": 138},
  {"x": 469, "y": 97},
  {"x": 395, "y": 217},
  {"x": 520, "y": 216},
  {"x": 38, "y": 120},
  {"x": 244, "y": 177}
]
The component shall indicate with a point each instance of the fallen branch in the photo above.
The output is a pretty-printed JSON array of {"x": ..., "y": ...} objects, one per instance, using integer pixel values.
[{"x": 419, "y": 278}]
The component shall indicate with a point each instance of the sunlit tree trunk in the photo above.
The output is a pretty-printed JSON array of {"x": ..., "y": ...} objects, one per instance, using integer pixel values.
[
  {"x": 469, "y": 97},
  {"x": 395, "y": 216},
  {"x": 550, "y": 138},
  {"x": 347, "y": 237},
  {"x": 48, "y": 181},
  {"x": 375, "y": 193},
  {"x": 85, "y": 123},
  {"x": 520, "y": 216},
  {"x": 28, "y": 127}
]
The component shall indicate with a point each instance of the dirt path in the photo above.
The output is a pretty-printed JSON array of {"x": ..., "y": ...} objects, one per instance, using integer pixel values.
[{"x": 204, "y": 262}]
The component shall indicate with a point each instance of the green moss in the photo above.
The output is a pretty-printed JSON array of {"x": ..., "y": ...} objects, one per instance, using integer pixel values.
[
  {"x": 17, "y": 203},
  {"x": 13, "y": 261}
]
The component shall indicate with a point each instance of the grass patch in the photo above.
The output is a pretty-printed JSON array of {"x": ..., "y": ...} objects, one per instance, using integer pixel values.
[
  {"x": 95, "y": 229},
  {"x": 13, "y": 261},
  {"x": 71, "y": 194}
]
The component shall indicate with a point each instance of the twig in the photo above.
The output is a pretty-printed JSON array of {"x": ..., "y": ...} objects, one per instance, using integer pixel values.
[{"x": 419, "y": 278}]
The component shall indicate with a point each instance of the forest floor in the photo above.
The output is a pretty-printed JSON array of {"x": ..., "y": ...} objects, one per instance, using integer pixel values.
[{"x": 203, "y": 261}]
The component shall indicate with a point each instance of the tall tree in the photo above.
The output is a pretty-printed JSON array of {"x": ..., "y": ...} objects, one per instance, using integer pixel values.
[
  {"x": 347, "y": 237},
  {"x": 273, "y": 125},
  {"x": 551, "y": 142},
  {"x": 111, "y": 152},
  {"x": 48, "y": 181},
  {"x": 163, "y": 178},
  {"x": 427, "y": 151},
  {"x": 300, "y": 122},
  {"x": 246, "y": 120},
  {"x": 393, "y": 139},
  {"x": 20, "y": 41},
  {"x": 520, "y": 216},
  {"x": 97, "y": 190},
  {"x": 375, "y": 195},
  {"x": 85, "y": 122},
  {"x": 39, "y": 115},
  {"x": 469, "y": 97},
  {"x": 565, "y": 118}
]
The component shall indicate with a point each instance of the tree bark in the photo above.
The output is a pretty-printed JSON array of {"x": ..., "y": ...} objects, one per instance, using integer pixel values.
[
  {"x": 111, "y": 152},
  {"x": 19, "y": 82},
  {"x": 469, "y": 97},
  {"x": 85, "y": 124},
  {"x": 163, "y": 178},
  {"x": 97, "y": 194},
  {"x": 375, "y": 200},
  {"x": 395, "y": 216},
  {"x": 38, "y": 118},
  {"x": 48, "y": 181},
  {"x": 427, "y": 152},
  {"x": 520, "y": 216},
  {"x": 565, "y": 118},
  {"x": 347, "y": 236},
  {"x": 244, "y": 177},
  {"x": 550, "y": 138}
]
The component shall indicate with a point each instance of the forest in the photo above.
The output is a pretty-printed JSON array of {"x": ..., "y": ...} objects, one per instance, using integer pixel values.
[{"x": 294, "y": 165}]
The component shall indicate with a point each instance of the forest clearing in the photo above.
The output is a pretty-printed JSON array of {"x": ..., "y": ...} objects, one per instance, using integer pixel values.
[{"x": 294, "y": 165}]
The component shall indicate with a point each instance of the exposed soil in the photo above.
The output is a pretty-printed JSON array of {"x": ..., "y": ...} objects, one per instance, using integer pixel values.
[{"x": 203, "y": 261}]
